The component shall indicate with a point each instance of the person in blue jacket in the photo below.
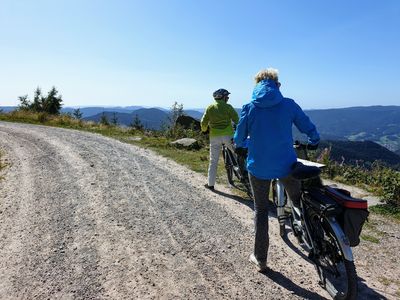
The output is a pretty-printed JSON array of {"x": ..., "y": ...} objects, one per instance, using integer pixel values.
[{"x": 266, "y": 126}]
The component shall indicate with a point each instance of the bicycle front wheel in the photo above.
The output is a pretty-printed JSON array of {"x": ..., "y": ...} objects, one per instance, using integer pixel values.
[{"x": 337, "y": 273}]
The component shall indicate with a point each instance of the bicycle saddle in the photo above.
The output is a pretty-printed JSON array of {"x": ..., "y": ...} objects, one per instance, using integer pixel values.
[{"x": 301, "y": 171}]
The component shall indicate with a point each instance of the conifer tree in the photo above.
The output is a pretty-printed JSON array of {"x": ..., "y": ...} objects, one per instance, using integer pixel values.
[{"x": 77, "y": 114}]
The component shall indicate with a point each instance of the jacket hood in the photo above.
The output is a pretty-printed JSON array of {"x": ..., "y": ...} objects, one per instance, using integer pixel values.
[{"x": 266, "y": 94}]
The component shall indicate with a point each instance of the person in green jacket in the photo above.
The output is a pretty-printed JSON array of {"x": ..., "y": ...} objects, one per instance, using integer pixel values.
[{"x": 218, "y": 118}]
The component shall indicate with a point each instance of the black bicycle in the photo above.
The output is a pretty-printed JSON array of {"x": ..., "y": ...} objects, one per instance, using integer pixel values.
[
  {"x": 235, "y": 166},
  {"x": 327, "y": 224}
]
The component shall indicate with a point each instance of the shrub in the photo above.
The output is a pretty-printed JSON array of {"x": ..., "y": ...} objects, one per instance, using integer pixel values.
[
  {"x": 383, "y": 180},
  {"x": 42, "y": 117},
  {"x": 50, "y": 104}
]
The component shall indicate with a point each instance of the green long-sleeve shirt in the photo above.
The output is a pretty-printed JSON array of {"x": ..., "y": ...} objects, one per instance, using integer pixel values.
[{"x": 219, "y": 117}]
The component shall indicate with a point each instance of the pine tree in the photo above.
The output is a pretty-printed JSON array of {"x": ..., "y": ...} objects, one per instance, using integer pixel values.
[
  {"x": 136, "y": 123},
  {"x": 24, "y": 103},
  {"x": 77, "y": 114},
  {"x": 52, "y": 103},
  {"x": 37, "y": 105},
  {"x": 114, "y": 119},
  {"x": 104, "y": 120}
]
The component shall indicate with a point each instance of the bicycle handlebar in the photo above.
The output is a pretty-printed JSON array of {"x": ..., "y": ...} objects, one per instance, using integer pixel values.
[{"x": 302, "y": 146}]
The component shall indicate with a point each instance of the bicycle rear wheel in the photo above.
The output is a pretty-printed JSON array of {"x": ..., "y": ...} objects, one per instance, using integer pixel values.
[
  {"x": 337, "y": 274},
  {"x": 228, "y": 165}
]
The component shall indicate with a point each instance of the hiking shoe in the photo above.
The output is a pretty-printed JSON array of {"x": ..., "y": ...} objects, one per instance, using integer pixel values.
[
  {"x": 210, "y": 187},
  {"x": 261, "y": 265}
]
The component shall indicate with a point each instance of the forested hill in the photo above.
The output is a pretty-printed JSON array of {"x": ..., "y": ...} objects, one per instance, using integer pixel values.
[
  {"x": 360, "y": 153},
  {"x": 380, "y": 124}
]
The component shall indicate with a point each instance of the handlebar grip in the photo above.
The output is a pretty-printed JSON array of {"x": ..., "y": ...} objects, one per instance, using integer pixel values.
[{"x": 301, "y": 146}]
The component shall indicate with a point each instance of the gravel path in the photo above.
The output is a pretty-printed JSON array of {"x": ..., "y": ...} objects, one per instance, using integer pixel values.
[{"x": 87, "y": 217}]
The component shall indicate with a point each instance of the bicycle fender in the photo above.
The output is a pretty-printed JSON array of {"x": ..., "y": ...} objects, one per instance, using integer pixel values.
[
  {"x": 280, "y": 191},
  {"x": 342, "y": 239}
]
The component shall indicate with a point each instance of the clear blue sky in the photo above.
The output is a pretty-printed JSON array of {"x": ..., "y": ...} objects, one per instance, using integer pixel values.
[{"x": 152, "y": 53}]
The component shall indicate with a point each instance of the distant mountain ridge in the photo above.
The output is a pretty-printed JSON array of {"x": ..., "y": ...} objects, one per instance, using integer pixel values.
[
  {"x": 151, "y": 118},
  {"x": 380, "y": 124}
]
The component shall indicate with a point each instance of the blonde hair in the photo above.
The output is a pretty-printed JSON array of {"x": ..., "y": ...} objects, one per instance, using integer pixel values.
[{"x": 269, "y": 73}]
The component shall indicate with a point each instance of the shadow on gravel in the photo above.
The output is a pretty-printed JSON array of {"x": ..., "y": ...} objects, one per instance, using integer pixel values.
[
  {"x": 365, "y": 292},
  {"x": 247, "y": 202},
  {"x": 286, "y": 283},
  {"x": 294, "y": 248}
]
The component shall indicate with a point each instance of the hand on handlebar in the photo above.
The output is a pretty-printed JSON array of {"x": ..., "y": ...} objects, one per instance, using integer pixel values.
[
  {"x": 301, "y": 146},
  {"x": 241, "y": 151}
]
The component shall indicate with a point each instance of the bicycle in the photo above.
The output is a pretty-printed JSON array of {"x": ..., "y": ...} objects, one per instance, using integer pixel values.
[
  {"x": 235, "y": 166},
  {"x": 317, "y": 228}
]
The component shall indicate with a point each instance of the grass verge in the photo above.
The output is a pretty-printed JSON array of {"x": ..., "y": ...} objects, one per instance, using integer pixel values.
[
  {"x": 370, "y": 238},
  {"x": 386, "y": 210}
]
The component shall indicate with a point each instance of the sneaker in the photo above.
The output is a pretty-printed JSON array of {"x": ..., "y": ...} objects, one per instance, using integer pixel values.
[
  {"x": 210, "y": 187},
  {"x": 261, "y": 265}
]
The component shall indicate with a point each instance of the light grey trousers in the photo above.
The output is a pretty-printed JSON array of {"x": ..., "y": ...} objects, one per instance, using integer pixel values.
[
  {"x": 261, "y": 192},
  {"x": 215, "y": 149}
]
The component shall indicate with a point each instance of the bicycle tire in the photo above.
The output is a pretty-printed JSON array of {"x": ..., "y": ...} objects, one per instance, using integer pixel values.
[
  {"x": 282, "y": 230},
  {"x": 228, "y": 166},
  {"x": 249, "y": 190},
  {"x": 343, "y": 287}
]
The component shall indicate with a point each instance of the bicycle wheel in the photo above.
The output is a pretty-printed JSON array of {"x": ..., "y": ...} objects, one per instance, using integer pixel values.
[
  {"x": 228, "y": 165},
  {"x": 247, "y": 185},
  {"x": 337, "y": 274}
]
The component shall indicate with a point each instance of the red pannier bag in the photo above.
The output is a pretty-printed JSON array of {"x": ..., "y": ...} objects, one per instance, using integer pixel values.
[{"x": 354, "y": 214}]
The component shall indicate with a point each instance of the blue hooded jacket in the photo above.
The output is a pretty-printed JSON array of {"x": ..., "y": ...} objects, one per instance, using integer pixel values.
[{"x": 267, "y": 124}]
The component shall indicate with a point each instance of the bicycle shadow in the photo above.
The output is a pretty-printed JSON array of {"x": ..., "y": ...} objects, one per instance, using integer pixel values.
[
  {"x": 248, "y": 202},
  {"x": 287, "y": 284}
]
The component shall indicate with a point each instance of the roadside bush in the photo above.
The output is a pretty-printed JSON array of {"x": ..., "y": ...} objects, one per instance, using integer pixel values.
[
  {"x": 384, "y": 181},
  {"x": 42, "y": 117}
]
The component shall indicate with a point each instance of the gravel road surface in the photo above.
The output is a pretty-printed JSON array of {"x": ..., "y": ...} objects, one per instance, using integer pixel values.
[{"x": 83, "y": 216}]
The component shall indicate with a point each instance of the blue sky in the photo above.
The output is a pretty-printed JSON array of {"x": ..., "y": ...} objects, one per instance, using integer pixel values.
[{"x": 152, "y": 53}]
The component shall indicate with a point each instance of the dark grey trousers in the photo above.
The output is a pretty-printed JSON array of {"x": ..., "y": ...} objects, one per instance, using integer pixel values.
[{"x": 261, "y": 192}]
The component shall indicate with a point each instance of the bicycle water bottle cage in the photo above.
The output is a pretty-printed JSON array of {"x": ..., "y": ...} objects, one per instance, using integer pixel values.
[{"x": 302, "y": 172}]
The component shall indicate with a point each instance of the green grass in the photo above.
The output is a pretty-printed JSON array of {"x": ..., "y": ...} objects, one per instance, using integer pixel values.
[
  {"x": 370, "y": 238},
  {"x": 386, "y": 210}
]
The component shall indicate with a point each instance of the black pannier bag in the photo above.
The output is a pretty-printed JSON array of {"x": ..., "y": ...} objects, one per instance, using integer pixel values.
[{"x": 354, "y": 213}]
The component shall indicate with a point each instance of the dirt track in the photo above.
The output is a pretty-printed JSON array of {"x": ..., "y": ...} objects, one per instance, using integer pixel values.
[{"x": 87, "y": 217}]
